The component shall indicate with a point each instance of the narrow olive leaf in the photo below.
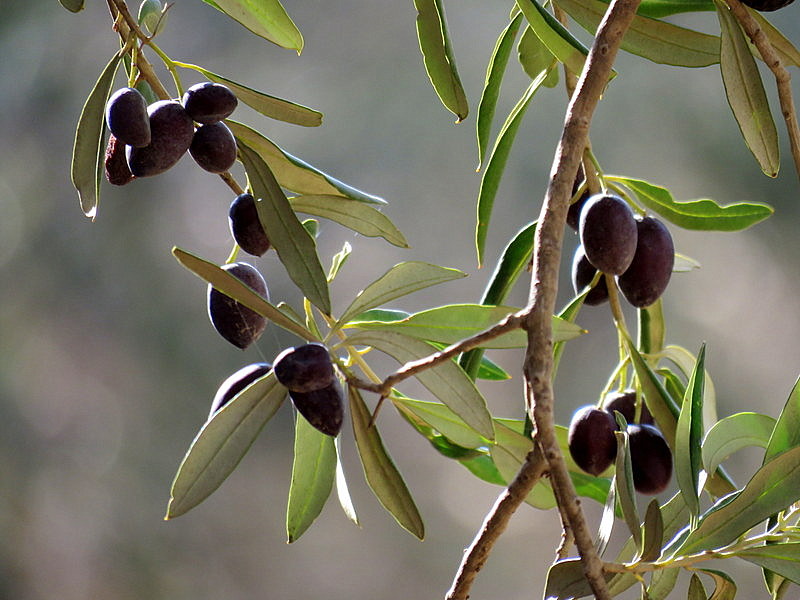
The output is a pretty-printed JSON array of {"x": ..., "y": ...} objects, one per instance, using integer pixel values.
[
  {"x": 655, "y": 40},
  {"x": 293, "y": 173},
  {"x": 491, "y": 86},
  {"x": 696, "y": 589},
  {"x": 313, "y": 472},
  {"x": 437, "y": 54},
  {"x": 358, "y": 216},
  {"x": 342, "y": 491},
  {"x": 685, "y": 360},
  {"x": 662, "y": 584},
  {"x": 724, "y": 585},
  {"x": 772, "y": 488},
  {"x": 786, "y": 433},
  {"x": 783, "y": 559},
  {"x": 652, "y": 532},
  {"x": 400, "y": 280},
  {"x": 606, "y": 522},
  {"x": 733, "y": 433},
  {"x": 295, "y": 247},
  {"x": 378, "y": 314},
  {"x": 664, "y": 8},
  {"x": 702, "y": 215},
  {"x": 564, "y": 46},
  {"x": 265, "y": 18},
  {"x": 745, "y": 93},
  {"x": 270, "y": 106},
  {"x": 72, "y": 5},
  {"x": 447, "y": 381},
  {"x": 490, "y": 181},
  {"x": 88, "y": 150},
  {"x": 222, "y": 442},
  {"x": 684, "y": 264},
  {"x": 443, "y": 420},
  {"x": 483, "y": 468},
  {"x": 568, "y": 314},
  {"x": 786, "y": 50},
  {"x": 533, "y": 55},
  {"x": 491, "y": 371},
  {"x": 380, "y": 471},
  {"x": 509, "y": 453},
  {"x": 233, "y": 287},
  {"x": 688, "y": 435},
  {"x": 566, "y": 580},
  {"x": 623, "y": 482},
  {"x": 659, "y": 402},
  {"x": 652, "y": 330},
  {"x": 338, "y": 260}
]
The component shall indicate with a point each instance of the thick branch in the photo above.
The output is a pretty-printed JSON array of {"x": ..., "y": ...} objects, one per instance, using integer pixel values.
[
  {"x": 544, "y": 282},
  {"x": 783, "y": 80}
]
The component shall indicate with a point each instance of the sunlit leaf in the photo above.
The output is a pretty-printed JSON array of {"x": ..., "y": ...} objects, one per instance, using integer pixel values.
[
  {"x": 483, "y": 468},
  {"x": 664, "y": 8},
  {"x": 652, "y": 532},
  {"x": 534, "y": 56},
  {"x": 222, "y": 442},
  {"x": 733, "y": 433},
  {"x": 724, "y": 585},
  {"x": 313, "y": 472},
  {"x": 233, "y": 287},
  {"x": 703, "y": 215},
  {"x": 295, "y": 247},
  {"x": 566, "y": 580},
  {"x": 786, "y": 50},
  {"x": 786, "y": 434},
  {"x": 625, "y": 491},
  {"x": 88, "y": 150},
  {"x": 443, "y": 420},
  {"x": 652, "y": 331},
  {"x": 338, "y": 260},
  {"x": 353, "y": 214},
  {"x": 696, "y": 589},
  {"x": 342, "y": 491},
  {"x": 509, "y": 453},
  {"x": 382, "y": 475},
  {"x": 270, "y": 106},
  {"x": 745, "y": 93},
  {"x": 783, "y": 559},
  {"x": 400, "y": 280},
  {"x": 295, "y": 174},
  {"x": 265, "y": 18},
  {"x": 491, "y": 86},
  {"x": 662, "y": 583},
  {"x": 688, "y": 435}
]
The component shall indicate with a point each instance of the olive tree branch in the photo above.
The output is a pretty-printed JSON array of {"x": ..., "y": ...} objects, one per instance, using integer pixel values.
[{"x": 782, "y": 76}]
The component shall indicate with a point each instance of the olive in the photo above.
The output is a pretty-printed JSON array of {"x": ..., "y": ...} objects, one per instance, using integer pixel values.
[
  {"x": 322, "y": 408},
  {"x": 651, "y": 459},
  {"x": 582, "y": 275},
  {"x": 591, "y": 440},
  {"x": 625, "y": 403},
  {"x": 240, "y": 325},
  {"x": 116, "y": 167},
  {"x": 209, "y": 102},
  {"x": 236, "y": 383},
  {"x": 171, "y": 132},
  {"x": 647, "y": 277},
  {"x": 305, "y": 368},
  {"x": 213, "y": 147},
  {"x": 126, "y": 117},
  {"x": 246, "y": 227},
  {"x": 608, "y": 233}
]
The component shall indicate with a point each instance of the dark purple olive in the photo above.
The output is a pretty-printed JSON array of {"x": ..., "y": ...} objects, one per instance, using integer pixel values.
[
  {"x": 116, "y": 166},
  {"x": 651, "y": 459},
  {"x": 582, "y": 275},
  {"x": 625, "y": 403},
  {"x": 322, "y": 408},
  {"x": 235, "y": 322},
  {"x": 767, "y": 5},
  {"x": 592, "y": 443},
  {"x": 246, "y": 227},
  {"x": 213, "y": 147},
  {"x": 236, "y": 383},
  {"x": 648, "y": 274},
  {"x": 171, "y": 132},
  {"x": 126, "y": 117},
  {"x": 608, "y": 233},
  {"x": 305, "y": 368},
  {"x": 209, "y": 102}
]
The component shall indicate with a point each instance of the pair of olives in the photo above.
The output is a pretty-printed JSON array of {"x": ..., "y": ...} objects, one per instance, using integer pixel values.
[
  {"x": 307, "y": 372},
  {"x": 149, "y": 140}
]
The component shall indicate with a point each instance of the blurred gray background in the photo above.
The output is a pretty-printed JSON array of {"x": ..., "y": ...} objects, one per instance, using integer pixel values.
[{"x": 109, "y": 362}]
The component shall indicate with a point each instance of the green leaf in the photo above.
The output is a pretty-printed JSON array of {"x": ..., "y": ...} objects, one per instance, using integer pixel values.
[
  {"x": 772, "y": 488},
  {"x": 265, "y": 18},
  {"x": 786, "y": 50},
  {"x": 703, "y": 215},
  {"x": 437, "y": 53},
  {"x": 490, "y": 181},
  {"x": 377, "y": 314},
  {"x": 724, "y": 586},
  {"x": 607, "y": 521},
  {"x": 662, "y": 584},
  {"x": 72, "y": 5},
  {"x": 688, "y": 435},
  {"x": 696, "y": 589},
  {"x": 443, "y": 420},
  {"x": 783, "y": 559},
  {"x": 625, "y": 492},
  {"x": 233, "y": 287},
  {"x": 295, "y": 247},
  {"x": 358, "y": 216},
  {"x": 401, "y": 280},
  {"x": 293, "y": 173},
  {"x": 568, "y": 314},
  {"x": 652, "y": 532},
  {"x": 745, "y": 93},
  {"x": 561, "y": 43},
  {"x": 491, "y": 86},
  {"x": 664, "y": 8},
  {"x": 652, "y": 331},
  {"x": 454, "y": 322},
  {"x": 270, "y": 106},
  {"x": 313, "y": 472},
  {"x": 222, "y": 442},
  {"x": 733, "y": 433},
  {"x": 533, "y": 55},
  {"x": 343, "y": 493},
  {"x": 338, "y": 260},
  {"x": 655, "y": 40},
  {"x": 491, "y": 371},
  {"x": 658, "y": 400},
  {"x": 509, "y": 453},
  {"x": 566, "y": 580},
  {"x": 483, "y": 468},
  {"x": 380, "y": 471},
  {"x": 786, "y": 433},
  {"x": 88, "y": 150},
  {"x": 447, "y": 381}
]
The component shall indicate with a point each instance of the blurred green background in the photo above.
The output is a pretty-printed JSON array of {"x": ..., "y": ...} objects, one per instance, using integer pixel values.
[{"x": 109, "y": 362}]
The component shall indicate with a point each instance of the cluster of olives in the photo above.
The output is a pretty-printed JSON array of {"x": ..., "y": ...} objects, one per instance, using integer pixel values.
[
  {"x": 593, "y": 445},
  {"x": 638, "y": 251},
  {"x": 307, "y": 372},
  {"x": 767, "y": 5},
  {"x": 148, "y": 140}
]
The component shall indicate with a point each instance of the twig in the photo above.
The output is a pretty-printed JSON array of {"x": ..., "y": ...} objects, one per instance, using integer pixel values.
[
  {"x": 495, "y": 524},
  {"x": 538, "y": 365},
  {"x": 782, "y": 77}
]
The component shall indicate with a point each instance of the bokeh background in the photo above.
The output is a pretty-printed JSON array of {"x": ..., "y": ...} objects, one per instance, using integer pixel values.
[{"x": 109, "y": 362}]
